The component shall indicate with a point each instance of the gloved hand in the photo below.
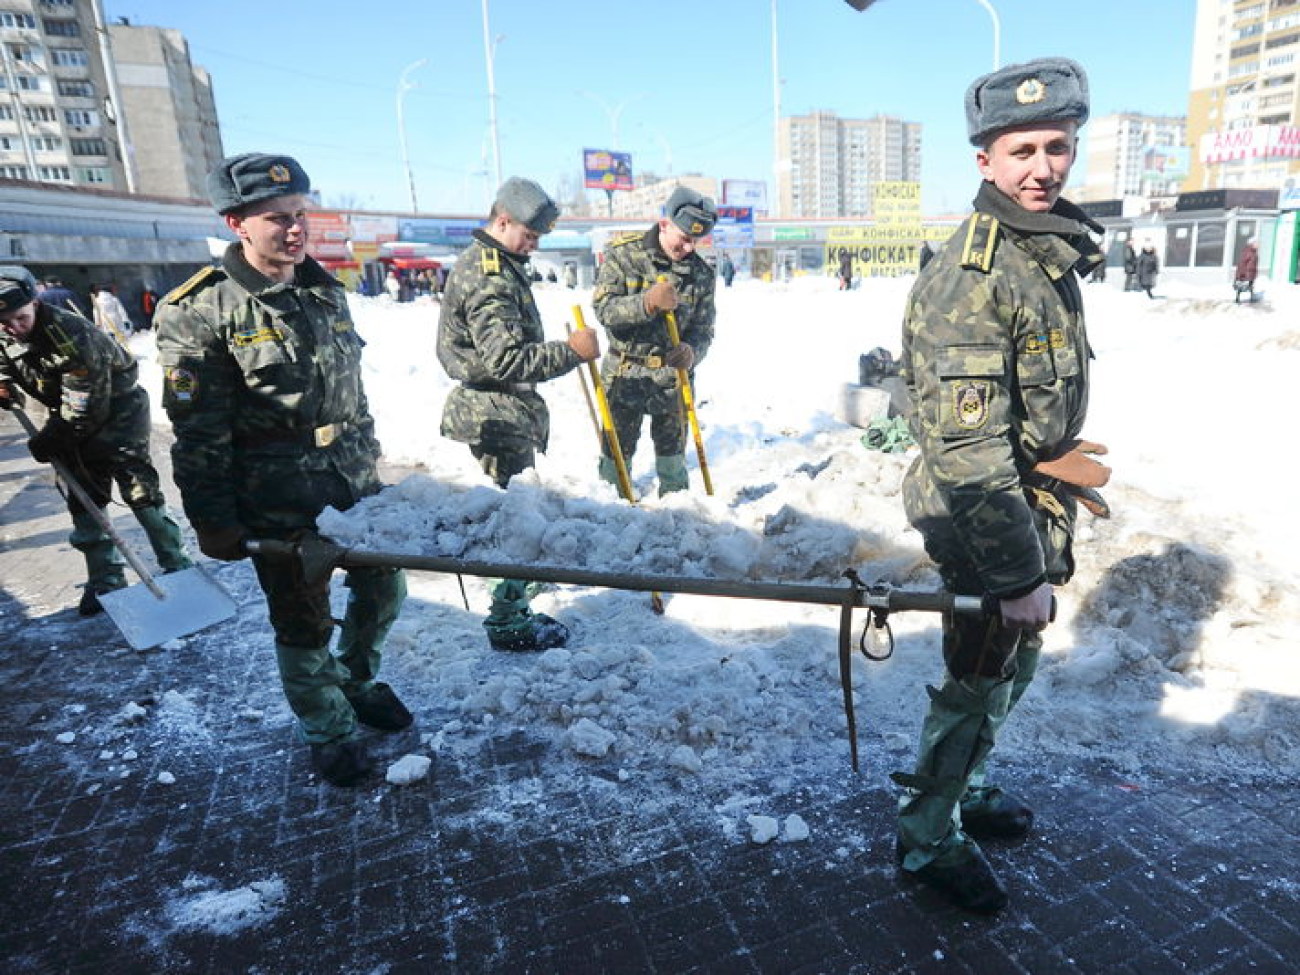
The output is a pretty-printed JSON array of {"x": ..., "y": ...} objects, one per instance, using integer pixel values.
[
  {"x": 226, "y": 544},
  {"x": 680, "y": 356},
  {"x": 1074, "y": 466},
  {"x": 53, "y": 440},
  {"x": 1029, "y": 612},
  {"x": 584, "y": 342},
  {"x": 11, "y": 396},
  {"x": 662, "y": 296}
]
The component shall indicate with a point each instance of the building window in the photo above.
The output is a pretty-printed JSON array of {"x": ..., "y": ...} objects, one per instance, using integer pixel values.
[
  {"x": 27, "y": 82},
  {"x": 69, "y": 57},
  {"x": 40, "y": 113},
  {"x": 95, "y": 174},
  {"x": 89, "y": 147},
  {"x": 76, "y": 89},
  {"x": 58, "y": 3},
  {"x": 80, "y": 117},
  {"x": 58, "y": 174},
  {"x": 10, "y": 19},
  {"x": 6, "y": 113},
  {"x": 46, "y": 143},
  {"x": 62, "y": 28},
  {"x": 8, "y": 143},
  {"x": 13, "y": 172}
]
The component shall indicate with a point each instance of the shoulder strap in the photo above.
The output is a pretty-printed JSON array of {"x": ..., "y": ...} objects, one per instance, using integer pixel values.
[
  {"x": 195, "y": 281},
  {"x": 980, "y": 243}
]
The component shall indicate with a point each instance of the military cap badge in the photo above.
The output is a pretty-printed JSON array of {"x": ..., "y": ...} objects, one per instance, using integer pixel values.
[
  {"x": 697, "y": 228},
  {"x": 279, "y": 173},
  {"x": 1030, "y": 90}
]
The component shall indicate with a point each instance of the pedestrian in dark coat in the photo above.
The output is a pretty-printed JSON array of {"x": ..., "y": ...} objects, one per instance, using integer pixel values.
[
  {"x": 846, "y": 269},
  {"x": 1148, "y": 266},
  {"x": 1130, "y": 267}
]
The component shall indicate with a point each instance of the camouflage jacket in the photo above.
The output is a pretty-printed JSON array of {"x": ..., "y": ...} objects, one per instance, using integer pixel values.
[
  {"x": 81, "y": 374},
  {"x": 995, "y": 355},
  {"x": 490, "y": 339},
  {"x": 631, "y": 264},
  {"x": 263, "y": 387}
]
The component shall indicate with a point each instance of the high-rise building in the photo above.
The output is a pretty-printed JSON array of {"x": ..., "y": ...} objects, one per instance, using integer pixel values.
[
  {"x": 827, "y": 164},
  {"x": 82, "y": 104},
  {"x": 58, "y": 110},
  {"x": 1133, "y": 155},
  {"x": 175, "y": 139},
  {"x": 1242, "y": 109}
]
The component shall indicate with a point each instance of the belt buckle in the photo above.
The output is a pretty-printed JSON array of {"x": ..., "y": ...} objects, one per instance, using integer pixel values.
[
  {"x": 326, "y": 435},
  {"x": 654, "y": 362}
]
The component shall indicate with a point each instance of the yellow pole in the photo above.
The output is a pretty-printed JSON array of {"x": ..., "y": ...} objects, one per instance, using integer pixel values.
[
  {"x": 688, "y": 401},
  {"x": 586, "y": 396},
  {"x": 611, "y": 440}
]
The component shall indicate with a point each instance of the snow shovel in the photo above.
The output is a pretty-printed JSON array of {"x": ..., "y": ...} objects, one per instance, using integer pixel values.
[{"x": 160, "y": 608}]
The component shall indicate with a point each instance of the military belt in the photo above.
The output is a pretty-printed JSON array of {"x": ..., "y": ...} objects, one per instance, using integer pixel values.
[
  {"x": 321, "y": 436},
  {"x": 501, "y": 387},
  {"x": 649, "y": 361}
]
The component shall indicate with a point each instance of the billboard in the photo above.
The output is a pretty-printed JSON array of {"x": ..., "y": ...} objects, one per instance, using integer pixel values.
[
  {"x": 744, "y": 193},
  {"x": 1165, "y": 162},
  {"x": 1255, "y": 142},
  {"x": 606, "y": 170},
  {"x": 734, "y": 229},
  {"x": 329, "y": 235}
]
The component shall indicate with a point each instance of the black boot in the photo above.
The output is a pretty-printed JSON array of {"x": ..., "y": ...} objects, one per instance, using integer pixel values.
[
  {"x": 993, "y": 814},
  {"x": 90, "y": 604},
  {"x": 541, "y": 633},
  {"x": 963, "y": 876},
  {"x": 341, "y": 762},
  {"x": 379, "y": 708}
]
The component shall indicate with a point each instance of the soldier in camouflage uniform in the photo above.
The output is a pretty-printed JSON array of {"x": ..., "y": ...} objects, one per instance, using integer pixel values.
[
  {"x": 262, "y": 371},
  {"x": 490, "y": 340},
  {"x": 98, "y": 425},
  {"x": 996, "y": 359},
  {"x": 642, "y": 277}
]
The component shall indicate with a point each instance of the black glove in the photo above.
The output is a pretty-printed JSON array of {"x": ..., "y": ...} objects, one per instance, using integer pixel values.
[
  {"x": 226, "y": 544},
  {"x": 53, "y": 440},
  {"x": 680, "y": 356},
  {"x": 11, "y": 396}
]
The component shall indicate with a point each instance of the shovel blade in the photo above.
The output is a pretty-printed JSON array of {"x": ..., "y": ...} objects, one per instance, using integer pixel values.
[{"x": 192, "y": 601}]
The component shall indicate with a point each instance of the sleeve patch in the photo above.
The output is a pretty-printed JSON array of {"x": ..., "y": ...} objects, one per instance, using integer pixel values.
[{"x": 182, "y": 384}]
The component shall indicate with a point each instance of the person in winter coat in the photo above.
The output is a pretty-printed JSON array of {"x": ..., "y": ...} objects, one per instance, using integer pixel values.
[
  {"x": 262, "y": 382},
  {"x": 57, "y": 295},
  {"x": 1247, "y": 271},
  {"x": 110, "y": 314},
  {"x": 98, "y": 426},
  {"x": 1130, "y": 266},
  {"x": 846, "y": 269},
  {"x": 996, "y": 358},
  {"x": 491, "y": 341},
  {"x": 148, "y": 306},
  {"x": 645, "y": 275},
  {"x": 1148, "y": 267},
  {"x": 727, "y": 269}
]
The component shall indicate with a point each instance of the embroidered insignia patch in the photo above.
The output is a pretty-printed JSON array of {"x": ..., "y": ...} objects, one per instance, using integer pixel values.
[
  {"x": 182, "y": 384},
  {"x": 970, "y": 408},
  {"x": 1036, "y": 344},
  {"x": 252, "y": 336},
  {"x": 1031, "y": 90},
  {"x": 1058, "y": 338}
]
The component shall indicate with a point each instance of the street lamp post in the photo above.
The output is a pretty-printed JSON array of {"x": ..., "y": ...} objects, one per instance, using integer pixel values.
[
  {"x": 489, "y": 50},
  {"x": 403, "y": 86},
  {"x": 997, "y": 33}
]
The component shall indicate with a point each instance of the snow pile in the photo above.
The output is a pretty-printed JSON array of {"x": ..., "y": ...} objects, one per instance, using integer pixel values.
[{"x": 225, "y": 912}]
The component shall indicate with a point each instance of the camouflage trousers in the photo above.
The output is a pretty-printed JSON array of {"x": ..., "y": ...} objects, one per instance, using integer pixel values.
[
  {"x": 631, "y": 400},
  {"x": 319, "y": 684},
  {"x": 988, "y": 668}
]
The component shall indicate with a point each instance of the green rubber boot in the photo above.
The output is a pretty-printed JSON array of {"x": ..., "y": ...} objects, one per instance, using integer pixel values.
[
  {"x": 105, "y": 567},
  {"x": 165, "y": 538},
  {"x": 672, "y": 474}
]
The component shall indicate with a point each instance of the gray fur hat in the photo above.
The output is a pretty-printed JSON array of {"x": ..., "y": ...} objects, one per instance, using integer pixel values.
[
  {"x": 523, "y": 200},
  {"x": 1045, "y": 90},
  {"x": 252, "y": 177},
  {"x": 17, "y": 287},
  {"x": 692, "y": 212}
]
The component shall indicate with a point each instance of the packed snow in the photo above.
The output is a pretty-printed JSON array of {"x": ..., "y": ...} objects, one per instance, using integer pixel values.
[{"x": 1172, "y": 652}]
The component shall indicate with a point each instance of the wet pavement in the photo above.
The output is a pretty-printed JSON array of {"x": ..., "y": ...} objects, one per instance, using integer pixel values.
[{"x": 157, "y": 815}]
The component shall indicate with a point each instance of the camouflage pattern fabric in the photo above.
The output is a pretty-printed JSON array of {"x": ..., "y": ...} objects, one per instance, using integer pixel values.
[
  {"x": 263, "y": 387},
  {"x": 995, "y": 355},
  {"x": 490, "y": 339},
  {"x": 635, "y": 380},
  {"x": 85, "y": 377}
]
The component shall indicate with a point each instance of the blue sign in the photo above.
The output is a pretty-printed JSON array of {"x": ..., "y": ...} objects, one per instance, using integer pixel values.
[
  {"x": 734, "y": 229},
  {"x": 448, "y": 232}
]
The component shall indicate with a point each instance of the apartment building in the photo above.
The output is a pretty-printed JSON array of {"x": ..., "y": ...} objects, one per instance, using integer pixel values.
[
  {"x": 1243, "y": 103},
  {"x": 827, "y": 164},
  {"x": 119, "y": 108},
  {"x": 1133, "y": 155}
]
